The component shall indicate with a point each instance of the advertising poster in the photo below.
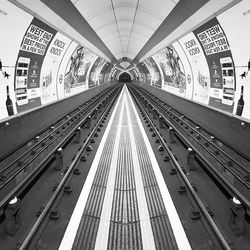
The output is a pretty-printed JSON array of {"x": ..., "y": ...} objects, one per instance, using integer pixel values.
[
  {"x": 107, "y": 73},
  {"x": 14, "y": 25},
  {"x": 200, "y": 70},
  {"x": 155, "y": 73},
  {"x": 234, "y": 21},
  {"x": 216, "y": 49},
  {"x": 185, "y": 70},
  {"x": 33, "y": 49},
  {"x": 76, "y": 71},
  {"x": 62, "y": 69},
  {"x": 94, "y": 72},
  {"x": 48, "y": 76},
  {"x": 103, "y": 72},
  {"x": 173, "y": 71},
  {"x": 93, "y": 77},
  {"x": 146, "y": 72},
  {"x": 110, "y": 76},
  {"x": 134, "y": 74},
  {"x": 137, "y": 74},
  {"x": 142, "y": 76}
]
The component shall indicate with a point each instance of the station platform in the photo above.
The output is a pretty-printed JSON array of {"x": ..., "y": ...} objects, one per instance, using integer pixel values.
[{"x": 125, "y": 202}]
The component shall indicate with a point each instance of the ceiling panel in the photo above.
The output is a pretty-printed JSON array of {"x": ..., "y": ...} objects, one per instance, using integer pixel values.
[
  {"x": 128, "y": 17},
  {"x": 124, "y": 28}
]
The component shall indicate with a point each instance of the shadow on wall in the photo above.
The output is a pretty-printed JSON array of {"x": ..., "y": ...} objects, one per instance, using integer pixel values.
[{"x": 125, "y": 77}]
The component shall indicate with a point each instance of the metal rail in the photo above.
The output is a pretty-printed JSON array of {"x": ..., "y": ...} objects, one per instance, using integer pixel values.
[
  {"x": 189, "y": 186},
  {"x": 234, "y": 191},
  {"x": 21, "y": 186},
  {"x": 59, "y": 189}
]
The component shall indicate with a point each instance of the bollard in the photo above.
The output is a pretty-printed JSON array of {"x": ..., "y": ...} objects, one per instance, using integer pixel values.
[
  {"x": 78, "y": 135},
  {"x": 59, "y": 159},
  {"x": 149, "y": 108},
  {"x": 36, "y": 139},
  {"x": 212, "y": 138},
  {"x": 100, "y": 108},
  {"x": 95, "y": 114},
  {"x": 190, "y": 159},
  {"x": 12, "y": 216},
  {"x": 154, "y": 114},
  {"x": 161, "y": 122},
  {"x": 171, "y": 134},
  {"x": 88, "y": 122},
  {"x": 104, "y": 103},
  {"x": 237, "y": 219}
]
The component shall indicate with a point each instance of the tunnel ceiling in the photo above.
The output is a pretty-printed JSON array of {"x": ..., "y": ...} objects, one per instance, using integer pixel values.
[
  {"x": 125, "y": 25},
  {"x": 125, "y": 29}
]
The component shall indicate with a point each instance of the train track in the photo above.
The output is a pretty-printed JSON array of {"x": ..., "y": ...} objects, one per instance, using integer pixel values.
[
  {"x": 156, "y": 115},
  {"x": 230, "y": 168},
  {"x": 20, "y": 168},
  {"x": 49, "y": 209}
]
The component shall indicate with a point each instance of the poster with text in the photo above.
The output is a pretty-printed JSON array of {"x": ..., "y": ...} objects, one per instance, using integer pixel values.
[
  {"x": 107, "y": 73},
  {"x": 103, "y": 72},
  {"x": 33, "y": 49},
  {"x": 186, "y": 71},
  {"x": 234, "y": 22},
  {"x": 94, "y": 72},
  {"x": 62, "y": 69},
  {"x": 14, "y": 25},
  {"x": 155, "y": 73},
  {"x": 173, "y": 71},
  {"x": 111, "y": 74},
  {"x": 100, "y": 72},
  {"x": 51, "y": 62},
  {"x": 200, "y": 70},
  {"x": 145, "y": 70},
  {"x": 76, "y": 71},
  {"x": 137, "y": 74},
  {"x": 220, "y": 62},
  {"x": 142, "y": 76},
  {"x": 93, "y": 77}
]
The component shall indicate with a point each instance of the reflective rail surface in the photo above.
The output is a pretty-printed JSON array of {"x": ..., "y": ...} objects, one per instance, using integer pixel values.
[{"x": 125, "y": 203}]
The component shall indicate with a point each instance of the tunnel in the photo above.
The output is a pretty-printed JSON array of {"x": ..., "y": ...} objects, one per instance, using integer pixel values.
[
  {"x": 125, "y": 124},
  {"x": 125, "y": 77}
]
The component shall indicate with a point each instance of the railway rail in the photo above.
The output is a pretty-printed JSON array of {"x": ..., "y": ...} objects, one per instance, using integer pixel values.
[
  {"x": 227, "y": 166},
  {"x": 20, "y": 168},
  {"x": 209, "y": 154},
  {"x": 31, "y": 238},
  {"x": 160, "y": 120}
]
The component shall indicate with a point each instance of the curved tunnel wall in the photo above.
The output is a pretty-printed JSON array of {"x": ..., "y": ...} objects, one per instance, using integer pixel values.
[
  {"x": 40, "y": 65},
  {"x": 209, "y": 65}
]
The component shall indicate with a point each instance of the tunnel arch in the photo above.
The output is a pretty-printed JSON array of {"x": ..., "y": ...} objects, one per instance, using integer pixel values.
[{"x": 125, "y": 77}]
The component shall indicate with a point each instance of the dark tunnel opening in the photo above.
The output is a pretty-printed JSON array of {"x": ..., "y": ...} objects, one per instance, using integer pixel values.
[{"x": 125, "y": 77}]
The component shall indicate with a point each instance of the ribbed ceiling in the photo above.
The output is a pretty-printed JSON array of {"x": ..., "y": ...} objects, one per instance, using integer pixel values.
[
  {"x": 124, "y": 25},
  {"x": 125, "y": 29}
]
